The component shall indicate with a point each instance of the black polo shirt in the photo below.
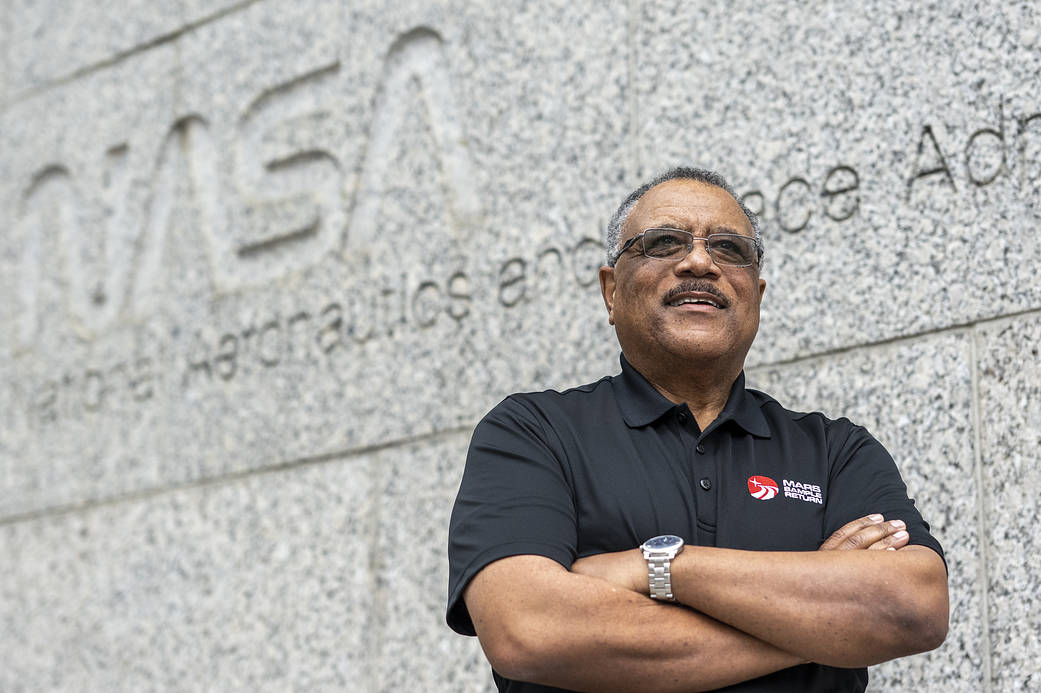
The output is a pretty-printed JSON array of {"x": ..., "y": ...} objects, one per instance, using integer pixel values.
[{"x": 605, "y": 466}]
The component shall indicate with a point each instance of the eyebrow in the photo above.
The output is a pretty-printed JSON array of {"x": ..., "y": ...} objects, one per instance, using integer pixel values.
[{"x": 686, "y": 227}]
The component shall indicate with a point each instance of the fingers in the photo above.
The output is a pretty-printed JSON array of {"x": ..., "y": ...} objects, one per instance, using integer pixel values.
[
  {"x": 849, "y": 530},
  {"x": 869, "y": 532},
  {"x": 896, "y": 540}
]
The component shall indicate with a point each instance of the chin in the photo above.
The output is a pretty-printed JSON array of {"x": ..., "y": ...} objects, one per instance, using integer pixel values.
[{"x": 709, "y": 351}]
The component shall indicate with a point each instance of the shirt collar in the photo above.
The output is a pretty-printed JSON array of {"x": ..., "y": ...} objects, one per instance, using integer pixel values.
[{"x": 642, "y": 404}]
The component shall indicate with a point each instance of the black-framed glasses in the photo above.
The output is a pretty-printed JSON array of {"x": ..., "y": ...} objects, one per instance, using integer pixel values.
[{"x": 728, "y": 249}]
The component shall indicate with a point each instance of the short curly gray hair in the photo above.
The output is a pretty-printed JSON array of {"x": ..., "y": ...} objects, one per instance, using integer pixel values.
[{"x": 614, "y": 227}]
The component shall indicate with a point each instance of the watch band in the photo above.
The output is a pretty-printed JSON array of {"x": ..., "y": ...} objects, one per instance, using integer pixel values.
[
  {"x": 659, "y": 574},
  {"x": 659, "y": 552}
]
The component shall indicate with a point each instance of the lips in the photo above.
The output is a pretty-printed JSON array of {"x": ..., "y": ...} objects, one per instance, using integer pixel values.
[
  {"x": 695, "y": 293},
  {"x": 695, "y": 299}
]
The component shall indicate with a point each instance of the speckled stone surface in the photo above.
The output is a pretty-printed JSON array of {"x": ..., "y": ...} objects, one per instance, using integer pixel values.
[
  {"x": 1010, "y": 424},
  {"x": 58, "y": 39},
  {"x": 280, "y": 581},
  {"x": 916, "y": 398},
  {"x": 417, "y": 486},
  {"x": 81, "y": 366},
  {"x": 83, "y": 371},
  {"x": 798, "y": 102},
  {"x": 300, "y": 228},
  {"x": 252, "y": 584},
  {"x": 6, "y": 27}
]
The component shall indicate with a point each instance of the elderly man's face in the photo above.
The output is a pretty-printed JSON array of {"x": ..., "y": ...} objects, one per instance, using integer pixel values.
[{"x": 649, "y": 300}]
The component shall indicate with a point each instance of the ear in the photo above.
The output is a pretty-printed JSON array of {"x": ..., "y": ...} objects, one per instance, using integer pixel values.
[
  {"x": 607, "y": 285},
  {"x": 762, "y": 289}
]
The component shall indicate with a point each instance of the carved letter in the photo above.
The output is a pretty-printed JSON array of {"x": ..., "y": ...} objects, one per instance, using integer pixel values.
[
  {"x": 330, "y": 335},
  {"x": 103, "y": 270},
  {"x": 188, "y": 149},
  {"x": 781, "y": 219},
  {"x": 299, "y": 344},
  {"x": 426, "y": 317},
  {"x": 548, "y": 274},
  {"x": 417, "y": 56},
  {"x": 513, "y": 286},
  {"x": 48, "y": 203},
  {"x": 270, "y": 350},
  {"x": 937, "y": 164},
  {"x": 1024, "y": 159},
  {"x": 755, "y": 202},
  {"x": 585, "y": 261},
  {"x": 226, "y": 360},
  {"x": 141, "y": 383},
  {"x": 289, "y": 180},
  {"x": 94, "y": 389},
  {"x": 986, "y": 179},
  {"x": 835, "y": 194},
  {"x": 459, "y": 292}
]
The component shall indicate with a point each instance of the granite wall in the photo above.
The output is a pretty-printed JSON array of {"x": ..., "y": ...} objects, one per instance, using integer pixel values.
[{"x": 264, "y": 264}]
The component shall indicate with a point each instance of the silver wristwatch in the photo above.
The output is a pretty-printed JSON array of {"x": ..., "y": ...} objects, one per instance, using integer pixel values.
[{"x": 659, "y": 552}]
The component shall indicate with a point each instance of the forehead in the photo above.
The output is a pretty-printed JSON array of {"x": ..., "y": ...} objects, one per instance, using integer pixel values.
[{"x": 687, "y": 204}]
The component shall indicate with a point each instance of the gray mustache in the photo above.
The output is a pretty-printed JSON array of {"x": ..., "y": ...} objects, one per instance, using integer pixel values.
[{"x": 700, "y": 286}]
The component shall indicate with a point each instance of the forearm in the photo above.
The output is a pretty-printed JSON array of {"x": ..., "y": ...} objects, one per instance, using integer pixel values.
[
  {"x": 842, "y": 608},
  {"x": 582, "y": 633}
]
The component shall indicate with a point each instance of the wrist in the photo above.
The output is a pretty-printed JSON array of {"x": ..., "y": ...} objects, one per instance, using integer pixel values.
[
  {"x": 658, "y": 553},
  {"x": 638, "y": 574}
]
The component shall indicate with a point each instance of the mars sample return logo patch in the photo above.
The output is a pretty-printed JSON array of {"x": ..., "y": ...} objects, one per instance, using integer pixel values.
[
  {"x": 762, "y": 487},
  {"x": 765, "y": 488}
]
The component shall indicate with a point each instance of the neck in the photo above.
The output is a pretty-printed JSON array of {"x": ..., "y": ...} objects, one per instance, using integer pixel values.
[{"x": 703, "y": 387}]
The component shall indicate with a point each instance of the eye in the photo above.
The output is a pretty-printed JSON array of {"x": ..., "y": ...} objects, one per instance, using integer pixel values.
[
  {"x": 731, "y": 250},
  {"x": 664, "y": 242}
]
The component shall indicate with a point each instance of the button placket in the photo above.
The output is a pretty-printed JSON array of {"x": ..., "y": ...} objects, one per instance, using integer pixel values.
[{"x": 703, "y": 473}]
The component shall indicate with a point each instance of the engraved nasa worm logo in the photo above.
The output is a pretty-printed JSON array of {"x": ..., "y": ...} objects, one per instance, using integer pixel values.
[{"x": 762, "y": 487}]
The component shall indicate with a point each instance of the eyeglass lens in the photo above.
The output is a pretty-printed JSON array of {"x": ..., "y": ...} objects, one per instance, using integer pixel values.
[{"x": 725, "y": 248}]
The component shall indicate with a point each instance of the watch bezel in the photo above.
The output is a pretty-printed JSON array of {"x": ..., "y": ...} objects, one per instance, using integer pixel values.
[{"x": 666, "y": 543}]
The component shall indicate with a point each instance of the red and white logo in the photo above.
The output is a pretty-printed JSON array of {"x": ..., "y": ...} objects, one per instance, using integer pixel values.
[{"x": 762, "y": 487}]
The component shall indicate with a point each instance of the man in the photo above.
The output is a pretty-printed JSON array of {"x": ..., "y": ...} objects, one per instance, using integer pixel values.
[{"x": 803, "y": 560}]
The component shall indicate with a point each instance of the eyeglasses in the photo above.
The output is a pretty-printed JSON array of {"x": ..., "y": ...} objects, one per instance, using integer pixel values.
[{"x": 729, "y": 249}]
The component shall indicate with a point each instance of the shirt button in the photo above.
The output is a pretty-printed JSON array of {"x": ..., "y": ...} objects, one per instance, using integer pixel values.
[
  {"x": 683, "y": 418},
  {"x": 705, "y": 484},
  {"x": 700, "y": 449}
]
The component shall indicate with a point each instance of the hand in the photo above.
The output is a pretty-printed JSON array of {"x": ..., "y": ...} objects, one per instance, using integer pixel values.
[
  {"x": 626, "y": 569},
  {"x": 870, "y": 532}
]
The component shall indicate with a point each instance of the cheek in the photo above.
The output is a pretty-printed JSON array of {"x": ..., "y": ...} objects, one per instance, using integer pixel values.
[
  {"x": 630, "y": 295},
  {"x": 751, "y": 318},
  {"x": 635, "y": 318}
]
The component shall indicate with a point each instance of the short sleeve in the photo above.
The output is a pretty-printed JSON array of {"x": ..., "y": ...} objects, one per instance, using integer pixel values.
[
  {"x": 865, "y": 480},
  {"x": 514, "y": 498}
]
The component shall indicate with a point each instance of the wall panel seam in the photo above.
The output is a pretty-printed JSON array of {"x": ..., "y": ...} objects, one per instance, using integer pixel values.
[
  {"x": 302, "y": 462},
  {"x": 120, "y": 56},
  {"x": 900, "y": 339},
  {"x": 982, "y": 565}
]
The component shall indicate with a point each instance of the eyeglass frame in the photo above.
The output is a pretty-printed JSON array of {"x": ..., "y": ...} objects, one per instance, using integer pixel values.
[{"x": 632, "y": 241}]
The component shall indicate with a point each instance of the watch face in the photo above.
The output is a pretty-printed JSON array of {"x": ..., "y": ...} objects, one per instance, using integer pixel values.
[{"x": 663, "y": 543}]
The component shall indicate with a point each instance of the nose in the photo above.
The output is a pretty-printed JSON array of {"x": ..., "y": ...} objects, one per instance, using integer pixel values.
[{"x": 698, "y": 261}]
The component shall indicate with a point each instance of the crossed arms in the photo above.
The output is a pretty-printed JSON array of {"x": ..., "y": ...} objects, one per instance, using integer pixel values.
[{"x": 747, "y": 613}]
